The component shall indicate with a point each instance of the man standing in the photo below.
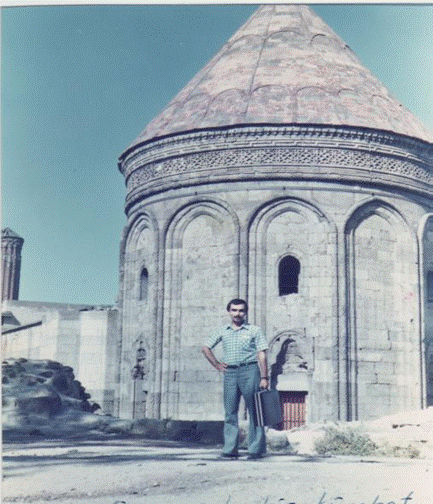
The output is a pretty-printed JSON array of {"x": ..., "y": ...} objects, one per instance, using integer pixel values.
[{"x": 245, "y": 371}]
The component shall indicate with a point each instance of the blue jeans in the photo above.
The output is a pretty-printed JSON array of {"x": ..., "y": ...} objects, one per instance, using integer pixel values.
[{"x": 245, "y": 381}]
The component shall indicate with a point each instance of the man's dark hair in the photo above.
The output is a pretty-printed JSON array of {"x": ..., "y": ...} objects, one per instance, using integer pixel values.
[{"x": 237, "y": 302}]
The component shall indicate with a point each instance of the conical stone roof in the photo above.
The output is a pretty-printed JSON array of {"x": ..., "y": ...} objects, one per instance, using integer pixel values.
[{"x": 284, "y": 66}]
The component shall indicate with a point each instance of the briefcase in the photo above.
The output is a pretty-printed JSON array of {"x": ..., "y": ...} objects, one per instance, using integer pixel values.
[{"x": 267, "y": 408}]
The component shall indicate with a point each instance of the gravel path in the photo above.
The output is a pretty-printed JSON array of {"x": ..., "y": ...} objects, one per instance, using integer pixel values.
[{"x": 132, "y": 471}]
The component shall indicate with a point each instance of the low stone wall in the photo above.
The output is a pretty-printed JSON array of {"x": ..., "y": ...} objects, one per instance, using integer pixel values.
[{"x": 210, "y": 432}]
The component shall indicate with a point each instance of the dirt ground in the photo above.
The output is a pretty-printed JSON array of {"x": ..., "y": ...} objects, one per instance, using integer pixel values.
[{"x": 135, "y": 471}]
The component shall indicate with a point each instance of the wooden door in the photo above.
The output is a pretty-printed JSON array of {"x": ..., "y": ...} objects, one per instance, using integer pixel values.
[{"x": 294, "y": 411}]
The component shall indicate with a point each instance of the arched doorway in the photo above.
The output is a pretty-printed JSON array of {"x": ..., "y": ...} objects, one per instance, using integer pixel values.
[{"x": 289, "y": 357}]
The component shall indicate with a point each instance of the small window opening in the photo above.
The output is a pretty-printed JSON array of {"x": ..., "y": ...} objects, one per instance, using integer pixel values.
[
  {"x": 430, "y": 287},
  {"x": 288, "y": 275},
  {"x": 144, "y": 284}
]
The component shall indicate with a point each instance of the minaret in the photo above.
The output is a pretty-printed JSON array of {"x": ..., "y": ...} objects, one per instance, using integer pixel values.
[{"x": 11, "y": 263}]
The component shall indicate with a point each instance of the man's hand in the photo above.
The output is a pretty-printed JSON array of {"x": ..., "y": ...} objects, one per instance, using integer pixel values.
[
  {"x": 263, "y": 367},
  {"x": 264, "y": 384},
  {"x": 221, "y": 366}
]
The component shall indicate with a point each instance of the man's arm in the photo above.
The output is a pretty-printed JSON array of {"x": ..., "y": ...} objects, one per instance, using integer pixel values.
[
  {"x": 263, "y": 366},
  {"x": 212, "y": 359}
]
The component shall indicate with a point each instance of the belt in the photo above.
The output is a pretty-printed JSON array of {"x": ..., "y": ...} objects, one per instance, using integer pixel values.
[{"x": 241, "y": 364}]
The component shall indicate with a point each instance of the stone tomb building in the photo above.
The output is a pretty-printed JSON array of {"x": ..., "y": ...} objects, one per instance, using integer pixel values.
[{"x": 284, "y": 173}]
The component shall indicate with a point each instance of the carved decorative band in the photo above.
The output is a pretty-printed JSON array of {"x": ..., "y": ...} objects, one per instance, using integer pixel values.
[
  {"x": 269, "y": 152},
  {"x": 240, "y": 163},
  {"x": 240, "y": 137}
]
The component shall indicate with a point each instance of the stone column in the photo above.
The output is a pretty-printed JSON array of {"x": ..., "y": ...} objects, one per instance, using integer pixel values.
[{"x": 11, "y": 247}]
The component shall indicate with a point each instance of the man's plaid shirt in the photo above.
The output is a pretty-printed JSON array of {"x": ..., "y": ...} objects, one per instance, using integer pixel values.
[{"x": 239, "y": 346}]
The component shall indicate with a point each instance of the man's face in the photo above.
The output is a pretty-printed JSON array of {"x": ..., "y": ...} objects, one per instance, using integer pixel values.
[{"x": 237, "y": 313}]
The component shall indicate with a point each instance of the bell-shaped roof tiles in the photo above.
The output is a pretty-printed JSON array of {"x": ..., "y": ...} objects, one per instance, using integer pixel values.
[{"x": 284, "y": 66}]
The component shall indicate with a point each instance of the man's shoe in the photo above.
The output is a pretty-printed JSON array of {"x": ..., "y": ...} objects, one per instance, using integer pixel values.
[
  {"x": 230, "y": 456},
  {"x": 254, "y": 456}
]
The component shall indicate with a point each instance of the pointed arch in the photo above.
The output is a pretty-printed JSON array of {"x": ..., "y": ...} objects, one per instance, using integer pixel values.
[
  {"x": 425, "y": 235},
  {"x": 284, "y": 227},
  {"x": 381, "y": 275},
  {"x": 201, "y": 273},
  {"x": 280, "y": 361},
  {"x": 138, "y": 303},
  {"x": 141, "y": 222},
  {"x": 375, "y": 206},
  {"x": 297, "y": 228}
]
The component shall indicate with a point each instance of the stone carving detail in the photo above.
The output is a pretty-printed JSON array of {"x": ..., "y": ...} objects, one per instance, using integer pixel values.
[
  {"x": 289, "y": 359},
  {"x": 292, "y": 360},
  {"x": 273, "y": 156}
]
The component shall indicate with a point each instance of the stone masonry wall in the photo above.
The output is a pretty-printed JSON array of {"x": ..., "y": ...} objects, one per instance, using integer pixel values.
[
  {"x": 427, "y": 293},
  {"x": 77, "y": 336},
  {"x": 228, "y": 241}
]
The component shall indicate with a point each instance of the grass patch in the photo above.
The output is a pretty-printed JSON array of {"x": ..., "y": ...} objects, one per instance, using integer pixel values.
[
  {"x": 408, "y": 451},
  {"x": 347, "y": 441}
]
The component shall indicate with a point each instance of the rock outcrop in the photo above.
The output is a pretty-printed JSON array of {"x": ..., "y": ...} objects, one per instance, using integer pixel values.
[{"x": 38, "y": 390}]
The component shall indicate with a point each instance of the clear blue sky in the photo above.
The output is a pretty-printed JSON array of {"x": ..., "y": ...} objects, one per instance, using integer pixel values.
[{"x": 79, "y": 83}]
